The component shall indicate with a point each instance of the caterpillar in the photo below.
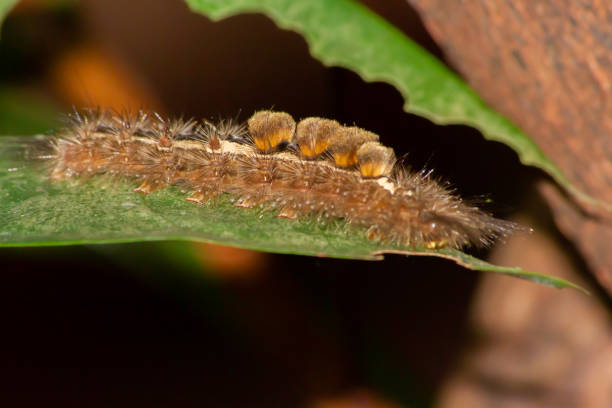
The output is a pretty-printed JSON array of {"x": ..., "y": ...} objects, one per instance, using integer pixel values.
[{"x": 313, "y": 168}]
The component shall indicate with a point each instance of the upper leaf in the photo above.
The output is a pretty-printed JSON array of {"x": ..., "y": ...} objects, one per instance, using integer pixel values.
[{"x": 345, "y": 33}]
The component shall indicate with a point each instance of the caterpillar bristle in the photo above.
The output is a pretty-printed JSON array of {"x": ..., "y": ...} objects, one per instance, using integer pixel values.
[{"x": 268, "y": 164}]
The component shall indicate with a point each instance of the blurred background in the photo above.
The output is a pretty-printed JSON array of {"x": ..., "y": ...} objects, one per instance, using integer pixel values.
[{"x": 185, "y": 324}]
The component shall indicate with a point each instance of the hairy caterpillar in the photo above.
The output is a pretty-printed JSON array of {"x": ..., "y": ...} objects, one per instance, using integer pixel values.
[{"x": 316, "y": 167}]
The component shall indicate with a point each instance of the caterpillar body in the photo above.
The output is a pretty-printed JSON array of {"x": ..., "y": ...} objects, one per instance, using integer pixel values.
[{"x": 316, "y": 168}]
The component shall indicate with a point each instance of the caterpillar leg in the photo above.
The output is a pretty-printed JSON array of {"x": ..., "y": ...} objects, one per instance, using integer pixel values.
[
  {"x": 436, "y": 244},
  {"x": 288, "y": 213},
  {"x": 146, "y": 187},
  {"x": 200, "y": 197}
]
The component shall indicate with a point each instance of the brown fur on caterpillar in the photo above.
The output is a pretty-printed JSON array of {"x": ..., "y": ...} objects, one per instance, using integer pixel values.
[{"x": 355, "y": 178}]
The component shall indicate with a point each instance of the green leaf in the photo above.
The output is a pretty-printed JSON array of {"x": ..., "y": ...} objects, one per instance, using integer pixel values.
[
  {"x": 347, "y": 34},
  {"x": 5, "y": 7},
  {"x": 35, "y": 212},
  {"x": 25, "y": 114}
]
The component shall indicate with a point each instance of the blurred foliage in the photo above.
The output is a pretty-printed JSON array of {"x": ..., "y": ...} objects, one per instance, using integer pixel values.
[
  {"x": 22, "y": 113},
  {"x": 5, "y": 7}
]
